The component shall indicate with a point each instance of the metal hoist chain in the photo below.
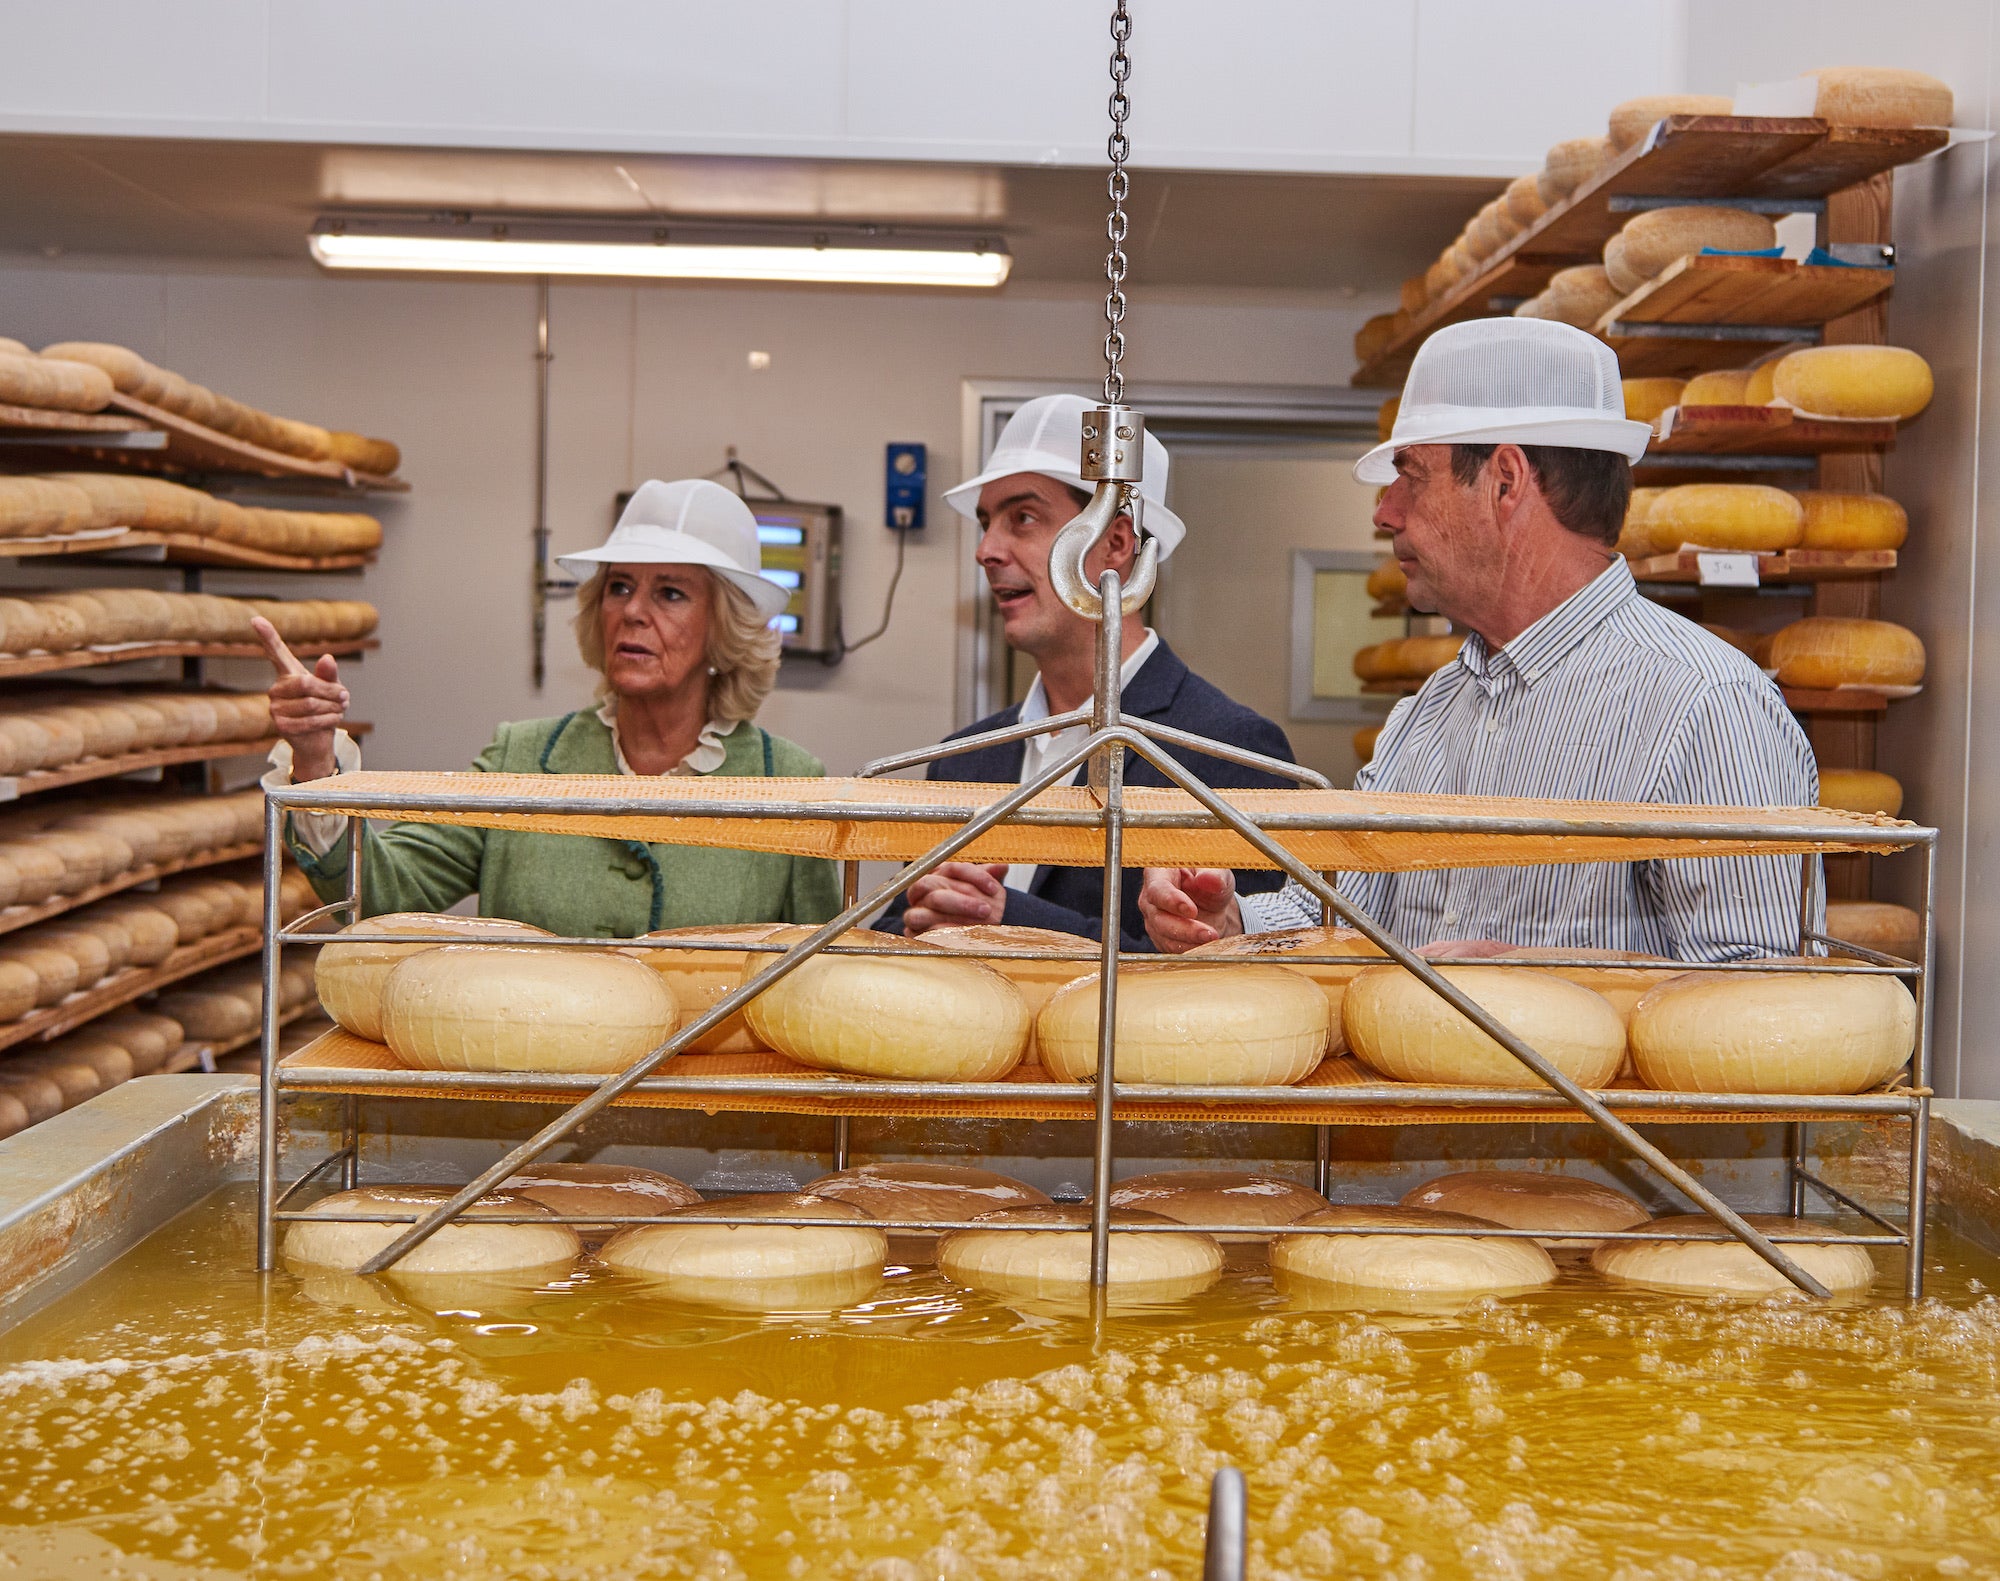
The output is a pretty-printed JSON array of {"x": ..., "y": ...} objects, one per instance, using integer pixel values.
[{"x": 1116, "y": 186}]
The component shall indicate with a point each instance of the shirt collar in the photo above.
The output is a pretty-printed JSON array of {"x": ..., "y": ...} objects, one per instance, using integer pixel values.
[
  {"x": 1036, "y": 704},
  {"x": 1543, "y": 645},
  {"x": 707, "y": 756}
]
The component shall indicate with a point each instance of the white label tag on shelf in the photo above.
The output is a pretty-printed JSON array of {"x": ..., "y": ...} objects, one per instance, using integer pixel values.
[{"x": 1727, "y": 570}]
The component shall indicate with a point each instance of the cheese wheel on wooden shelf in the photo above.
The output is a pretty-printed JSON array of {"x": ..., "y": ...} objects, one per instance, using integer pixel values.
[
  {"x": 616, "y": 1190},
  {"x": 1527, "y": 1199},
  {"x": 1581, "y": 295},
  {"x": 1883, "y": 96},
  {"x": 147, "y": 1036},
  {"x": 56, "y": 971},
  {"x": 1852, "y": 521},
  {"x": 75, "y": 1080},
  {"x": 1826, "y": 651},
  {"x": 1568, "y": 165},
  {"x": 1728, "y": 1267},
  {"x": 1388, "y": 580},
  {"x": 1633, "y": 119},
  {"x": 1854, "y": 381},
  {"x": 38, "y": 872},
  {"x": 1741, "y": 517},
  {"x": 1410, "y": 296},
  {"x": 116, "y": 942},
  {"x": 923, "y": 1016},
  {"x": 524, "y": 1007},
  {"x": 33, "y": 1090},
  {"x": 351, "y": 977},
  {"x": 364, "y": 454},
  {"x": 1773, "y": 1032},
  {"x": 1284, "y": 942},
  {"x": 926, "y": 1193},
  {"x": 128, "y": 371},
  {"x": 20, "y": 989},
  {"x": 1877, "y": 925},
  {"x": 1364, "y": 743},
  {"x": 210, "y": 1015},
  {"x": 1411, "y": 1265},
  {"x": 1048, "y": 1256},
  {"x": 112, "y": 1065},
  {"x": 699, "y": 979},
  {"x": 1659, "y": 237},
  {"x": 1209, "y": 1199},
  {"x": 1861, "y": 790},
  {"x": 1646, "y": 399},
  {"x": 1401, "y": 1029},
  {"x": 152, "y": 932},
  {"x": 1374, "y": 336},
  {"x": 1407, "y": 658},
  {"x": 1036, "y": 980},
  {"x": 1635, "y": 539},
  {"x": 1247, "y": 1025},
  {"x": 465, "y": 1246},
  {"x": 14, "y": 1116},
  {"x": 42, "y": 508},
  {"x": 1619, "y": 271},
  {"x": 1524, "y": 200},
  {"x": 1758, "y": 386},
  {"x": 759, "y": 1267}
]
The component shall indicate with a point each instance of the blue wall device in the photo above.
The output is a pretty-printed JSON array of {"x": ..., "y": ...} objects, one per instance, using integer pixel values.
[{"x": 903, "y": 487}]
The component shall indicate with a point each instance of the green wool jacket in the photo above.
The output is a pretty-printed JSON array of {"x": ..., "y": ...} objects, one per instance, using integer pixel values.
[{"x": 584, "y": 884}]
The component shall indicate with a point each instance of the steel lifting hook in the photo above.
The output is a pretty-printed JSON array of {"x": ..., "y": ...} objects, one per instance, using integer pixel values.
[{"x": 1113, "y": 459}]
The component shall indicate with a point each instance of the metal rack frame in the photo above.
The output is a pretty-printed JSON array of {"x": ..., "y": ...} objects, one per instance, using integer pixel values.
[{"x": 1103, "y": 753}]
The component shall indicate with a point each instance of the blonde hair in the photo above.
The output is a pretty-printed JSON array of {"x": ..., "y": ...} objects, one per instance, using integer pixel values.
[{"x": 742, "y": 650}]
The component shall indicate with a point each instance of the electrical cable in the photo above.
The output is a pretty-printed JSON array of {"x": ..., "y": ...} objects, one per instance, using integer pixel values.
[{"x": 842, "y": 646}]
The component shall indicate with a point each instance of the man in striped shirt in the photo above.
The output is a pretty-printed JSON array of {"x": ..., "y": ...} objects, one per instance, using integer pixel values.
[{"x": 1570, "y": 685}]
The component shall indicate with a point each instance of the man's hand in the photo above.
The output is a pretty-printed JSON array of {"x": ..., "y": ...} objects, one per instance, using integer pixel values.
[
  {"x": 1186, "y": 906},
  {"x": 307, "y": 706},
  {"x": 955, "y": 896}
]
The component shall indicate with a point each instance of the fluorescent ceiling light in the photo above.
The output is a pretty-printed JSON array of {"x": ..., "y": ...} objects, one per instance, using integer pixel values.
[{"x": 851, "y": 255}]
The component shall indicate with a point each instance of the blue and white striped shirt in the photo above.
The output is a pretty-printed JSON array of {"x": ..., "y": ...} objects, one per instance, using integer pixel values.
[{"x": 1608, "y": 697}]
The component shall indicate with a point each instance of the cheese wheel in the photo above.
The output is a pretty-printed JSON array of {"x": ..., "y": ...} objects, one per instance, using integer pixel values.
[
  {"x": 1410, "y": 296},
  {"x": 1632, "y": 120},
  {"x": 1759, "y": 388},
  {"x": 350, "y": 977},
  {"x": 1364, "y": 743},
  {"x": 39, "y": 872},
  {"x": 1400, "y": 1028},
  {"x": 1825, "y": 651},
  {"x": 1388, "y": 580},
  {"x": 1569, "y": 164},
  {"x": 42, "y": 508},
  {"x": 74, "y": 1080},
  {"x": 25, "y": 745},
  {"x": 35, "y": 1092},
  {"x": 1241, "y": 1025},
  {"x": 129, "y": 371},
  {"x": 1635, "y": 538},
  {"x": 1618, "y": 270},
  {"x": 1286, "y": 942},
  {"x": 1574, "y": 1211},
  {"x": 1854, "y": 381},
  {"x": 148, "y": 1037},
  {"x": 111, "y": 1064},
  {"x": 91, "y": 954},
  {"x": 1492, "y": 228},
  {"x": 699, "y": 979},
  {"x": 1877, "y": 925},
  {"x": 1880, "y": 96},
  {"x": 1412, "y": 1265},
  {"x": 20, "y": 988},
  {"x": 14, "y": 1115},
  {"x": 116, "y": 937},
  {"x": 363, "y": 454},
  {"x": 1727, "y": 1266},
  {"x": 1852, "y": 521},
  {"x": 1737, "y": 516},
  {"x": 522, "y": 1007},
  {"x": 921, "y": 1017},
  {"x": 56, "y": 971},
  {"x": 926, "y": 1193},
  {"x": 1773, "y": 1032},
  {"x": 1407, "y": 658},
  {"x": 759, "y": 1267},
  {"x": 1861, "y": 790},
  {"x": 1049, "y": 1256},
  {"x": 1659, "y": 237},
  {"x": 1524, "y": 199},
  {"x": 209, "y": 1016},
  {"x": 464, "y": 1246},
  {"x": 1374, "y": 336},
  {"x": 1581, "y": 295},
  {"x": 1035, "y": 979},
  {"x": 1209, "y": 1199},
  {"x": 1646, "y": 399},
  {"x": 617, "y": 1190}
]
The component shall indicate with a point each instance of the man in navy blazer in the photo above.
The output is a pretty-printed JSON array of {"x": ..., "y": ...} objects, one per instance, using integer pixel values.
[{"x": 1028, "y": 493}]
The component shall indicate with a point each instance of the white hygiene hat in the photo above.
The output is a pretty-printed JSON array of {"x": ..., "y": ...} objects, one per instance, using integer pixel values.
[
  {"x": 1523, "y": 381},
  {"x": 1046, "y": 436},
  {"x": 691, "y": 522}
]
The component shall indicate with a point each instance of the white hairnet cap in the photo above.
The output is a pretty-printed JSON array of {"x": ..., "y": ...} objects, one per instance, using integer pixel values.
[
  {"x": 1523, "y": 381},
  {"x": 691, "y": 522},
  {"x": 1046, "y": 436}
]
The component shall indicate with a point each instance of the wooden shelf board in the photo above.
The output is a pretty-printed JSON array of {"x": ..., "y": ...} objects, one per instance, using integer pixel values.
[
  {"x": 1785, "y": 565},
  {"x": 1691, "y": 156},
  {"x": 15, "y": 786},
  {"x": 1402, "y": 686},
  {"x": 16, "y": 666},
  {"x": 195, "y": 448},
  {"x": 181, "y": 549},
  {"x": 38, "y": 419},
  {"x": 12, "y": 917},
  {"x": 1847, "y": 700},
  {"x": 1763, "y": 430},
  {"x": 127, "y": 984},
  {"x": 1708, "y": 289}
]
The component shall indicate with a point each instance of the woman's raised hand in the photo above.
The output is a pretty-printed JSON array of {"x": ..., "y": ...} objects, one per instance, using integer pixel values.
[{"x": 307, "y": 706}]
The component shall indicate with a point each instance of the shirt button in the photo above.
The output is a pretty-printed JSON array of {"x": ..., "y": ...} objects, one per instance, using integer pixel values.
[
  {"x": 1493, "y": 726},
  {"x": 1451, "y": 919}
]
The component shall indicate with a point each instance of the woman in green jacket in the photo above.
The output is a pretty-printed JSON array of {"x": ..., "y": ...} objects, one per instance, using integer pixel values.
[{"x": 676, "y": 619}]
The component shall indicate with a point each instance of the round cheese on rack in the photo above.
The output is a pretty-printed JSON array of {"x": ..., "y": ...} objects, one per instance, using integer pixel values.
[
  {"x": 20, "y": 989},
  {"x": 1416, "y": 1265},
  {"x": 926, "y": 1193},
  {"x": 350, "y": 976},
  {"x": 56, "y": 973},
  {"x": 1659, "y": 237},
  {"x": 14, "y": 1114},
  {"x": 1879, "y": 382},
  {"x": 1400, "y": 1028},
  {"x": 210, "y": 1015},
  {"x": 1374, "y": 335},
  {"x": 1580, "y": 295},
  {"x": 1861, "y": 790},
  {"x": 1210, "y": 1198},
  {"x": 1729, "y": 516},
  {"x": 1568, "y": 165},
  {"x": 1852, "y": 521},
  {"x": 1240, "y": 1025},
  {"x": 1633, "y": 119},
  {"x": 1524, "y": 201},
  {"x": 1047, "y": 1254},
  {"x": 147, "y": 1037},
  {"x": 523, "y": 1007},
  {"x": 1623, "y": 277},
  {"x": 465, "y": 1246},
  {"x": 75, "y": 1080},
  {"x": 1646, "y": 399},
  {"x": 921, "y": 1016},
  {"x": 38, "y": 871},
  {"x": 1727, "y": 1266},
  {"x": 761, "y": 1267},
  {"x": 1877, "y": 925},
  {"x": 1722, "y": 387},
  {"x": 1773, "y": 1032},
  {"x": 1387, "y": 580},
  {"x": 1406, "y": 658},
  {"x": 1526, "y": 1199},
  {"x": 1826, "y": 651},
  {"x": 616, "y": 1190},
  {"x": 112, "y": 1065},
  {"x": 1284, "y": 943},
  {"x": 701, "y": 978},
  {"x": 1881, "y": 96},
  {"x": 1036, "y": 979}
]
